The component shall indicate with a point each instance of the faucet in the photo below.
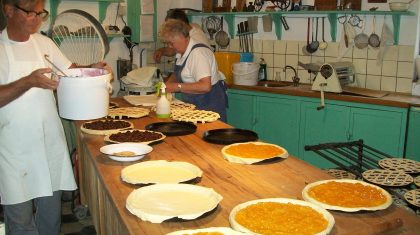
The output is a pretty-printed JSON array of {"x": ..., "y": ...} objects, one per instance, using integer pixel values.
[{"x": 295, "y": 78}]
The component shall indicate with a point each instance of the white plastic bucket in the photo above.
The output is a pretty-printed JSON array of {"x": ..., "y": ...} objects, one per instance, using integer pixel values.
[
  {"x": 84, "y": 94},
  {"x": 245, "y": 73}
]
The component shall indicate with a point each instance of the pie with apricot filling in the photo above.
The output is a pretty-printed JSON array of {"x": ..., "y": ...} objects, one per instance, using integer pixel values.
[
  {"x": 280, "y": 216},
  {"x": 347, "y": 195},
  {"x": 252, "y": 152}
]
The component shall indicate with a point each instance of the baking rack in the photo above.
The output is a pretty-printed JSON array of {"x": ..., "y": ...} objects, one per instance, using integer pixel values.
[{"x": 355, "y": 156}]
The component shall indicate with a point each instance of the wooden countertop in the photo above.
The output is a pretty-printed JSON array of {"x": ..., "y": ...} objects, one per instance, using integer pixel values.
[
  {"x": 237, "y": 183},
  {"x": 393, "y": 99}
]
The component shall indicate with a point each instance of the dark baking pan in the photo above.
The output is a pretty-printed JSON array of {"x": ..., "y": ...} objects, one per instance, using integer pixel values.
[
  {"x": 172, "y": 128},
  {"x": 229, "y": 136}
]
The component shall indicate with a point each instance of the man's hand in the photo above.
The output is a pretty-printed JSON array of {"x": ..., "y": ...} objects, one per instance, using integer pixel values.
[{"x": 38, "y": 79}]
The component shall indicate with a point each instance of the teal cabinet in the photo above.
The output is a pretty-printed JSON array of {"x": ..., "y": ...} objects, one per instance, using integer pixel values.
[
  {"x": 241, "y": 111},
  {"x": 413, "y": 135},
  {"x": 273, "y": 118},
  {"x": 380, "y": 129},
  {"x": 330, "y": 124},
  {"x": 294, "y": 122},
  {"x": 277, "y": 122}
]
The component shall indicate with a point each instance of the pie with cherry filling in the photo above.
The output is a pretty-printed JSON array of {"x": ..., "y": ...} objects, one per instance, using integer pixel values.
[
  {"x": 135, "y": 136},
  {"x": 105, "y": 127},
  {"x": 347, "y": 195},
  {"x": 252, "y": 152}
]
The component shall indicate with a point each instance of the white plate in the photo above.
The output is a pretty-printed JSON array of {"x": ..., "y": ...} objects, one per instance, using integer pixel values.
[
  {"x": 223, "y": 230},
  {"x": 139, "y": 149},
  {"x": 160, "y": 202},
  {"x": 244, "y": 160},
  {"x": 306, "y": 196},
  {"x": 158, "y": 172},
  {"x": 319, "y": 209}
]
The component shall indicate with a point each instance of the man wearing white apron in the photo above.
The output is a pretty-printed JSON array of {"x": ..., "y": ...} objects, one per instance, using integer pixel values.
[{"x": 34, "y": 161}]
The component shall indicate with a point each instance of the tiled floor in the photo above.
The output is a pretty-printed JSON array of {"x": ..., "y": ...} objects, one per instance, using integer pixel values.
[{"x": 76, "y": 220}]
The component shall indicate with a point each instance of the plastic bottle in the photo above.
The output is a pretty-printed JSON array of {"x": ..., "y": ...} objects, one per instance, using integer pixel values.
[
  {"x": 163, "y": 106},
  {"x": 262, "y": 75}
]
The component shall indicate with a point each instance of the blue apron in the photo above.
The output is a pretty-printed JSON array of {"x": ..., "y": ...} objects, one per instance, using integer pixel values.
[{"x": 215, "y": 100}]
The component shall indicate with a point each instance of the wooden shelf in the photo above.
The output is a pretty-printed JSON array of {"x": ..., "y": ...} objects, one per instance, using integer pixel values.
[{"x": 331, "y": 15}]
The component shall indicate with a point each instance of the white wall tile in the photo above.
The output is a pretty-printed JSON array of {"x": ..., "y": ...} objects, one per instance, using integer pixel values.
[
  {"x": 292, "y": 60},
  {"x": 391, "y": 53},
  {"x": 292, "y": 48},
  {"x": 389, "y": 68},
  {"x": 373, "y": 82},
  {"x": 360, "y": 65},
  {"x": 360, "y": 81},
  {"x": 258, "y": 43},
  {"x": 404, "y": 85},
  {"x": 304, "y": 76},
  {"x": 405, "y": 69},
  {"x": 268, "y": 46},
  {"x": 279, "y": 61},
  {"x": 373, "y": 68},
  {"x": 360, "y": 53},
  {"x": 234, "y": 45},
  {"x": 280, "y": 47},
  {"x": 332, "y": 49},
  {"x": 388, "y": 83},
  {"x": 372, "y": 53},
  {"x": 269, "y": 59},
  {"x": 406, "y": 53}
]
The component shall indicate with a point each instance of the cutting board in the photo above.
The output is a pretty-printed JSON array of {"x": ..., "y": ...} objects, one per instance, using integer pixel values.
[{"x": 364, "y": 92}]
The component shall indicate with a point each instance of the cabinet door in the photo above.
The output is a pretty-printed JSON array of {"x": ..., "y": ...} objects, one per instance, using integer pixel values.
[
  {"x": 277, "y": 122},
  {"x": 321, "y": 126},
  {"x": 413, "y": 135},
  {"x": 240, "y": 113},
  {"x": 380, "y": 129}
]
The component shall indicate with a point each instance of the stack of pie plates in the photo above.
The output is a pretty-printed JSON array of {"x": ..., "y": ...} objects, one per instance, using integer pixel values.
[
  {"x": 135, "y": 136},
  {"x": 203, "y": 231},
  {"x": 347, "y": 195},
  {"x": 160, "y": 202},
  {"x": 253, "y": 152},
  {"x": 387, "y": 177},
  {"x": 126, "y": 152},
  {"x": 159, "y": 172},
  {"x": 400, "y": 164},
  {"x": 280, "y": 216}
]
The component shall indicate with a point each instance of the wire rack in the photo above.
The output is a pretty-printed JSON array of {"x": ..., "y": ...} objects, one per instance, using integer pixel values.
[{"x": 355, "y": 156}]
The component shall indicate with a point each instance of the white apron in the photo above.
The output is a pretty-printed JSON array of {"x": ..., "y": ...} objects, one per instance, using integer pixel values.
[{"x": 34, "y": 159}]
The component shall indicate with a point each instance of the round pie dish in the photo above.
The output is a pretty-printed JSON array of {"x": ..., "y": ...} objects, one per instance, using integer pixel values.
[
  {"x": 160, "y": 202},
  {"x": 160, "y": 172},
  {"x": 135, "y": 136},
  {"x": 347, "y": 195},
  {"x": 126, "y": 152}
]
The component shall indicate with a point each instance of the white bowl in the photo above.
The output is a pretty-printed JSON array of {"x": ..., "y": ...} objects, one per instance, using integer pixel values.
[
  {"x": 398, "y": 6},
  {"x": 140, "y": 150}
]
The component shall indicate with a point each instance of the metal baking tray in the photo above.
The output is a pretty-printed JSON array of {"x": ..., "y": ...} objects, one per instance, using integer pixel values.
[
  {"x": 229, "y": 136},
  {"x": 172, "y": 128}
]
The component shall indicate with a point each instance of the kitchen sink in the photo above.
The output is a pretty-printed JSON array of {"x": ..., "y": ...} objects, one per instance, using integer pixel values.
[{"x": 273, "y": 84}]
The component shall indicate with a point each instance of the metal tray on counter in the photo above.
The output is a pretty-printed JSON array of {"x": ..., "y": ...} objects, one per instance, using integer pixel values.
[
  {"x": 172, "y": 128},
  {"x": 229, "y": 136}
]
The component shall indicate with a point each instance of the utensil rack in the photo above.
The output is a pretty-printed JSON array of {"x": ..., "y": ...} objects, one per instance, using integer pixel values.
[{"x": 355, "y": 156}]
